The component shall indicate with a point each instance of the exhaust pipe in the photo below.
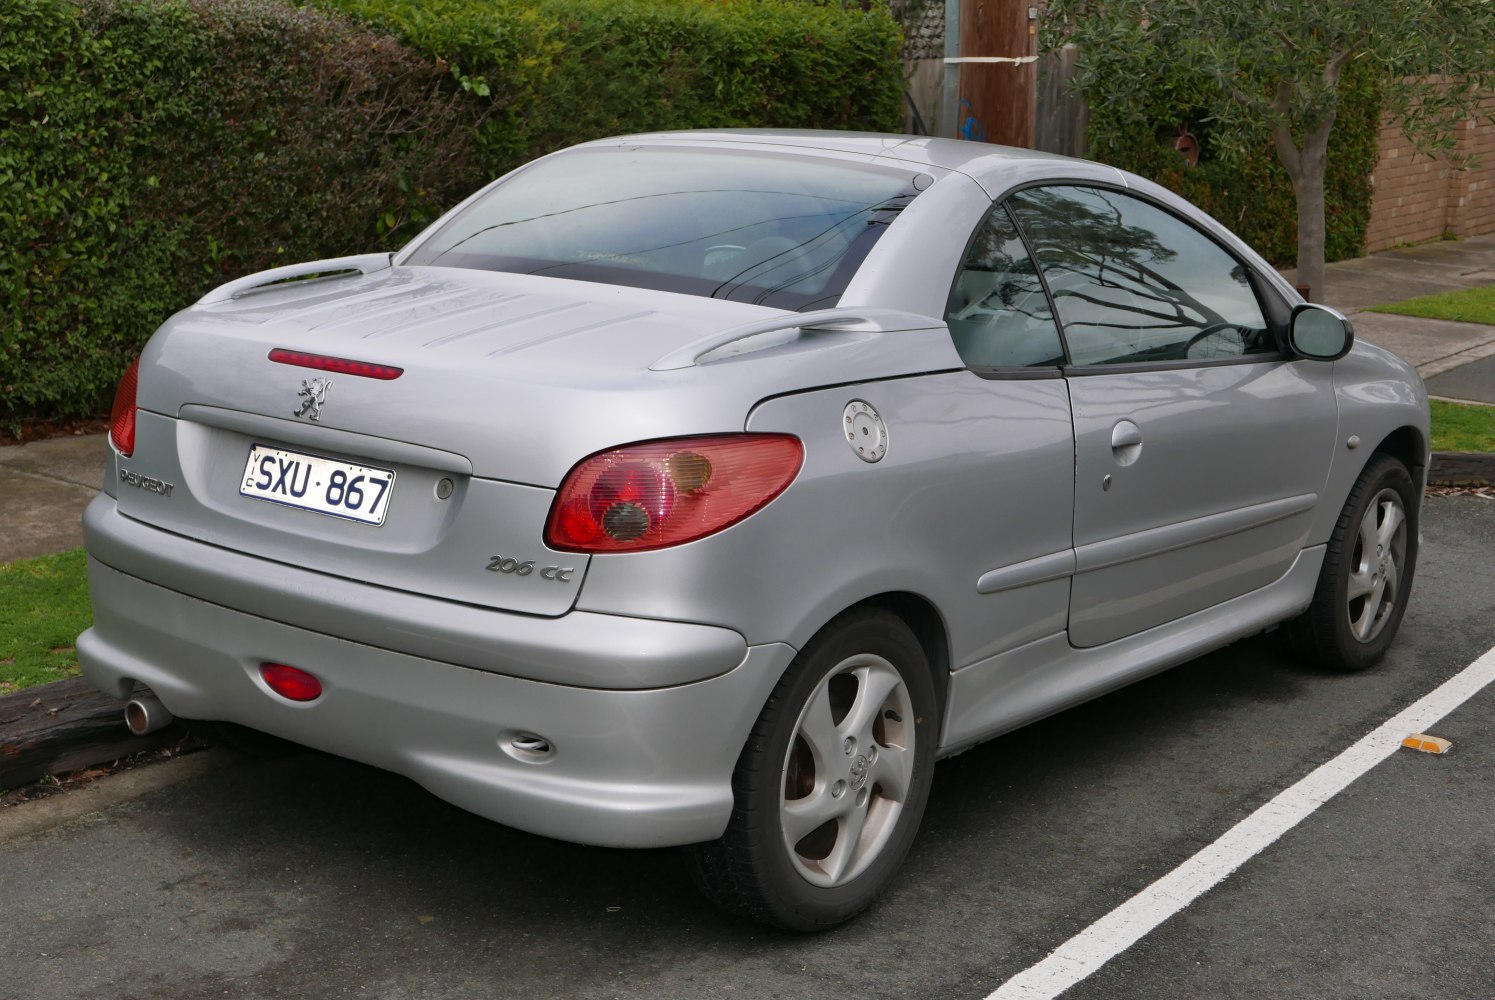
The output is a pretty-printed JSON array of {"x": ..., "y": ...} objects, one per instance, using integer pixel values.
[{"x": 146, "y": 714}]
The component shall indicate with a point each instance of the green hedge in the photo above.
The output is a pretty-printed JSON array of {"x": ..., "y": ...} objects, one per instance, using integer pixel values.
[
  {"x": 150, "y": 149},
  {"x": 557, "y": 72},
  {"x": 630, "y": 65},
  {"x": 1250, "y": 192}
]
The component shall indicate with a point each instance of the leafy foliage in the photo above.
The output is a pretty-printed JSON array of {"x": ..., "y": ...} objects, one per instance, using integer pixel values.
[
  {"x": 62, "y": 206},
  {"x": 150, "y": 150},
  {"x": 557, "y": 72},
  {"x": 498, "y": 55},
  {"x": 1243, "y": 185},
  {"x": 1284, "y": 75}
]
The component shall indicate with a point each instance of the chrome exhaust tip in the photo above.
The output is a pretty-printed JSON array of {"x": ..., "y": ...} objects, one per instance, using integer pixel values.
[{"x": 146, "y": 715}]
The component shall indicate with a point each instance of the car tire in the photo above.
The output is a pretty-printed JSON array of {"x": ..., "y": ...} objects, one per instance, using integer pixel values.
[
  {"x": 1367, "y": 573},
  {"x": 831, "y": 785}
]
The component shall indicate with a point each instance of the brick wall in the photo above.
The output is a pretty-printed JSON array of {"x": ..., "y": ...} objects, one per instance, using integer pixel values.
[
  {"x": 1416, "y": 198},
  {"x": 1473, "y": 191}
]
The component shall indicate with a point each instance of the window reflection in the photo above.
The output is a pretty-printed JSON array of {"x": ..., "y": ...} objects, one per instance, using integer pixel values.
[
  {"x": 780, "y": 231},
  {"x": 998, "y": 314},
  {"x": 1133, "y": 283}
]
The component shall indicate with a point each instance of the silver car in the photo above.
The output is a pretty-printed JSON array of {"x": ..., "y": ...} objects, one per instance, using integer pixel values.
[{"x": 705, "y": 488}]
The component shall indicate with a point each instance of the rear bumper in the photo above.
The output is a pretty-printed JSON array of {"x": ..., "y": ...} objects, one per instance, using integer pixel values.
[
  {"x": 582, "y": 648},
  {"x": 629, "y": 768}
]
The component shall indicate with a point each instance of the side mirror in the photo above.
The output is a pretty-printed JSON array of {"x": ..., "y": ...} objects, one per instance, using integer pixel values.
[{"x": 1319, "y": 332}]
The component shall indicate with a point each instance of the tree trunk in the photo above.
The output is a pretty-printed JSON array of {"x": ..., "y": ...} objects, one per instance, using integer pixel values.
[
  {"x": 1309, "y": 189},
  {"x": 1305, "y": 168}
]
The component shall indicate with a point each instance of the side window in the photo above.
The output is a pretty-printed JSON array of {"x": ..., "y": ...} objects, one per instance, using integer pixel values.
[
  {"x": 998, "y": 314},
  {"x": 1133, "y": 283}
]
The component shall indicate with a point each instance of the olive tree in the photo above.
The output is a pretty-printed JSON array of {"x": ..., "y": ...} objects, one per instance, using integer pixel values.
[{"x": 1273, "y": 69}]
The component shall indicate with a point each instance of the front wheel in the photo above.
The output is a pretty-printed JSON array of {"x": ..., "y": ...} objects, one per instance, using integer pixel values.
[
  {"x": 831, "y": 786},
  {"x": 1367, "y": 574}
]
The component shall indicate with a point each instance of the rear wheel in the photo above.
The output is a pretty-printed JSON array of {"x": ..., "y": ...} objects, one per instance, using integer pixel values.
[
  {"x": 831, "y": 786},
  {"x": 1367, "y": 574}
]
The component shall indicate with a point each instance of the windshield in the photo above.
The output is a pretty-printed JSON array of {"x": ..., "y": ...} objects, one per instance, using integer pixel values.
[{"x": 779, "y": 230}]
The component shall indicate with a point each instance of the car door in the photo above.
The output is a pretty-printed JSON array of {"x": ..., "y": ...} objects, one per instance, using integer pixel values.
[
  {"x": 1015, "y": 426},
  {"x": 1200, "y": 449}
]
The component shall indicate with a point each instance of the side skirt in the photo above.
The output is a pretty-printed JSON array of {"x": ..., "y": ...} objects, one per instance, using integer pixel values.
[{"x": 1020, "y": 686}]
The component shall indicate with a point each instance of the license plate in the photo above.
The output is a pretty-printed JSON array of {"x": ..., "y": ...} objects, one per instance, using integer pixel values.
[{"x": 341, "y": 489}]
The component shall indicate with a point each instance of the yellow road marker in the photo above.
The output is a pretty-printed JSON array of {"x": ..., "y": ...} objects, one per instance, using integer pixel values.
[{"x": 1426, "y": 743}]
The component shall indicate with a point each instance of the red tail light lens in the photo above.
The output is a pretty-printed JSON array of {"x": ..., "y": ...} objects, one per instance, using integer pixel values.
[
  {"x": 292, "y": 683},
  {"x": 122, "y": 414},
  {"x": 342, "y": 366},
  {"x": 663, "y": 493}
]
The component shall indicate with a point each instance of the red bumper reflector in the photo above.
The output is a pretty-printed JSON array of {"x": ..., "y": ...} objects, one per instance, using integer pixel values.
[
  {"x": 342, "y": 366},
  {"x": 291, "y": 683}
]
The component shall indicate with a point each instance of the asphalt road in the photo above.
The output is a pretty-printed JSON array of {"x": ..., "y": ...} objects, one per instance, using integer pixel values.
[{"x": 313, "y": 877}]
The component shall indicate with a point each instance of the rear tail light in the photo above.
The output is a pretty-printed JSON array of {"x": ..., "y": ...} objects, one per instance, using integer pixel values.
[
  {"x": 342, "y": 366},
  {"x": 122, "y": 414},
  {"x": 291, "y": 682},
  {"x": 662, "y": 493}
]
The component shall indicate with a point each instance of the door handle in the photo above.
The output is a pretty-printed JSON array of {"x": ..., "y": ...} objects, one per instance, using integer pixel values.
[
  {"x": 1126, "y": 442},
  {"x": 1126, "y": 435}
]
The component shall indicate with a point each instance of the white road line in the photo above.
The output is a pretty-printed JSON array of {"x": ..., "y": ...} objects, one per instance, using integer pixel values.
[{"x": 1124, "y": 926}]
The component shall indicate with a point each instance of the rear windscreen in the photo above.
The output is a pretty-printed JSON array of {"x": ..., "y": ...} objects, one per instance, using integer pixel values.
[{"x": 775, "y": 229}]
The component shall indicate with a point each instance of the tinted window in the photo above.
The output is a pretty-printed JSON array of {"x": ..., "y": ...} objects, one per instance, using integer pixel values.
[
  {"x": 1134, "y": 283},
  {"x": 998, "y": 313},
  {"x": 786, "y": 231}
]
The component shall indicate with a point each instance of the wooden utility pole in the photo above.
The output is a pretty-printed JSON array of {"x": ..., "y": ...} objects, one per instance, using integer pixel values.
[{"x": 998, "y": 71}]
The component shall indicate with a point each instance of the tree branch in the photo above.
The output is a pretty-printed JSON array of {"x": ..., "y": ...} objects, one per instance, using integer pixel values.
[
  {"x": 1282, "y": 134},
  {"x": 1335, "y": 66}
]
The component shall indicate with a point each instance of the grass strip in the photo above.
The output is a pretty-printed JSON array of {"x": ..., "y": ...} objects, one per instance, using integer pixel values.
[
  {"x": 1457, "y": 427},
  {"x": 1470, "y": 305},
  {"x": 43, "y": 607}
]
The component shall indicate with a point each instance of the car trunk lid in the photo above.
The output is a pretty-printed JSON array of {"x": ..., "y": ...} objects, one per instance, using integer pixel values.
[{"x": 505, "y": 382}]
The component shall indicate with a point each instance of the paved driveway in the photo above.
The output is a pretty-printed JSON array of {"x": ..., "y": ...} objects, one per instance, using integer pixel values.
[{"x": 313, "y": 877}]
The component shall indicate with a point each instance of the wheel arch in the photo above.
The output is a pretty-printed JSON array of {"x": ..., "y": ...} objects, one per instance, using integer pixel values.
[
  {"x": 928, "y": 627},
  {"x": 1407, "y": 445},
  {"x": 1383, "y": 410}
]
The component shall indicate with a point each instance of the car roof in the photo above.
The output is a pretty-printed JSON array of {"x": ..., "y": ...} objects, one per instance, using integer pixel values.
[{"x": 922, "y": 150}]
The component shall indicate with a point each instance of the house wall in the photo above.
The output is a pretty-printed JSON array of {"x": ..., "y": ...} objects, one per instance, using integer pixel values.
[{"x": 1417, "y": 198}]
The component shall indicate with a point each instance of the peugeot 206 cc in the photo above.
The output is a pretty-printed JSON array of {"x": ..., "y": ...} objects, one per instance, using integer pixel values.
[{"x": 703, "y": 489}]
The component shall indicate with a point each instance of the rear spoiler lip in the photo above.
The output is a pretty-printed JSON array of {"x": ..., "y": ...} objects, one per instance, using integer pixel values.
[
  {"x": 846, "y": 320},
  {"x": 330, "y": 269}
]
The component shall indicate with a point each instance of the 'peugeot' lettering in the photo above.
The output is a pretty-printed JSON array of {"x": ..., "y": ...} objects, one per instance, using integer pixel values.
[{"x": 135, "y": 479}]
